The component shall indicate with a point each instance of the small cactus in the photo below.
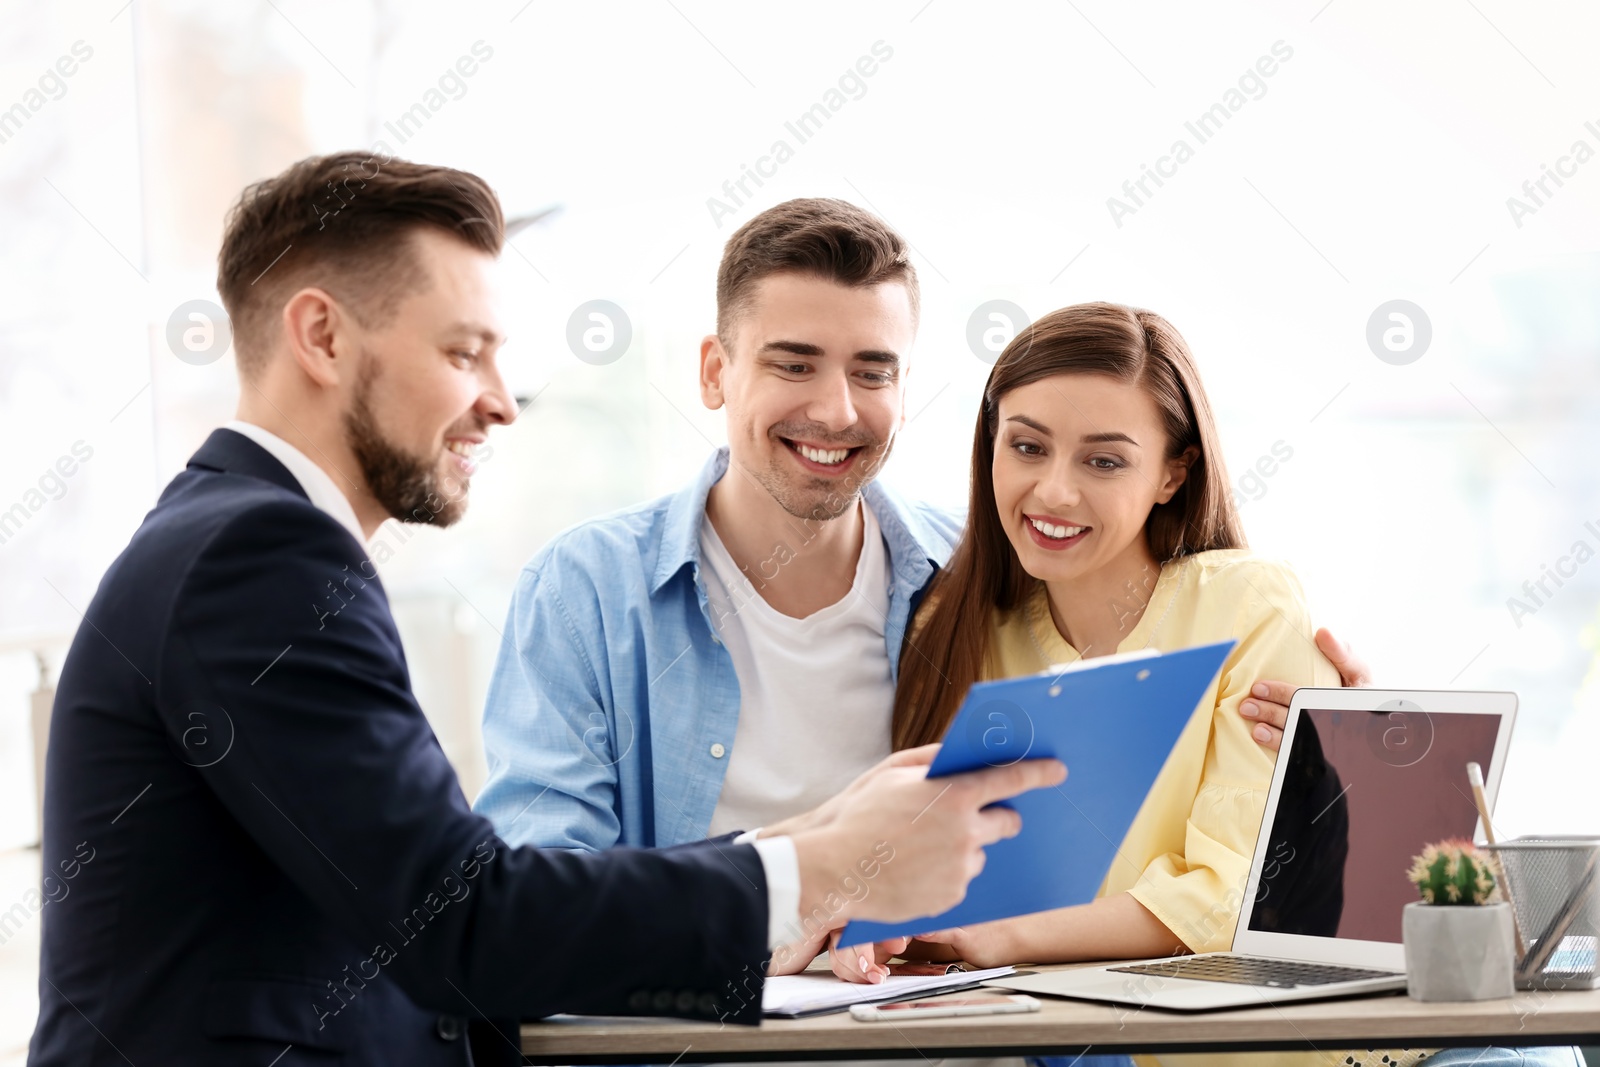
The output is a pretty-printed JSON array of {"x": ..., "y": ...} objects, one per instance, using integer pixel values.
[{"x": 1452, "y": 872}]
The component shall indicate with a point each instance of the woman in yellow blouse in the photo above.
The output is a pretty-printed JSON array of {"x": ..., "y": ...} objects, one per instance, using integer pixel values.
[{"x": 1102, "y": 521}]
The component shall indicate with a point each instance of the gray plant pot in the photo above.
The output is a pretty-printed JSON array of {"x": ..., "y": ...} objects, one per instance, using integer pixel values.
[{"x": 1459, "y": 952}]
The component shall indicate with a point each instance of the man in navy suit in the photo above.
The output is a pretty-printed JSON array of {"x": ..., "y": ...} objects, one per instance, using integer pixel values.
[{"x": 270, "y": 860}]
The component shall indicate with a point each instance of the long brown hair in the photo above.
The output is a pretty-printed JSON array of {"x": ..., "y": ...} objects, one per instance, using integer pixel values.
[{"x": 948, "y": 649}]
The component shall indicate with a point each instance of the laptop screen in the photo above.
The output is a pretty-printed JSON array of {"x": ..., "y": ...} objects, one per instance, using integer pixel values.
[{"x": 1363, "y": 793}]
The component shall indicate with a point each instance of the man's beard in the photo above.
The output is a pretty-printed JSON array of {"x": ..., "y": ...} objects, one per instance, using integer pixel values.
[
  {"x": 408, "y": 488},
  {"x": 817, "y": 498}
]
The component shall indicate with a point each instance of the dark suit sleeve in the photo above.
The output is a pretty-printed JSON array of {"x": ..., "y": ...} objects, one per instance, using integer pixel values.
[{"x": 282, "y": 631}]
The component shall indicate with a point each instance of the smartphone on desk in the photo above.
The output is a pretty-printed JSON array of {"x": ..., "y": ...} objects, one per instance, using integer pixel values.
[{"x": 942, "y": 1008}]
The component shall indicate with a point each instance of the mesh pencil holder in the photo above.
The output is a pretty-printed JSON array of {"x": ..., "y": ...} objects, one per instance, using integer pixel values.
[{"x": 1554, "y": 887}]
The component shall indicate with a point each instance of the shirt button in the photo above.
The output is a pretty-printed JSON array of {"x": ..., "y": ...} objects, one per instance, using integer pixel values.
[
  {"x": 448, "y": 1027},
  {"x": 717, "y": 751}
]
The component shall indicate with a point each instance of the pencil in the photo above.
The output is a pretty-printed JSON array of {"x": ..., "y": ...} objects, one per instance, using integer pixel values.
[{"x": 1475, "y": 779}]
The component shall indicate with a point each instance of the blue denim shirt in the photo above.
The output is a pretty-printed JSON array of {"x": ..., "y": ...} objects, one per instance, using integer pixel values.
[{"x": 611, "y": 687}]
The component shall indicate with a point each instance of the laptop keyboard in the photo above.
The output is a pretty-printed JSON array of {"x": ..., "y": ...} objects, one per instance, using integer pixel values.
[{"x": 1253, "y": 970}]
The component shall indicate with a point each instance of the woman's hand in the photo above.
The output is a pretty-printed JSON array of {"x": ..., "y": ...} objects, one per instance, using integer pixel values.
[
  {"x": 1268, "y": 705},
  {"x": 867, "y": 964},
  {"x": 982, "y": 945}
]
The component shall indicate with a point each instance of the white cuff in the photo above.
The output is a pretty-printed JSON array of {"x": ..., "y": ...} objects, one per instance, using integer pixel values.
[{"x": 782, "y": 866}]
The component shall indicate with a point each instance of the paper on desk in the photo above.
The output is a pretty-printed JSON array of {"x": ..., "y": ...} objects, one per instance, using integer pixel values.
[{"x": 815, "y": 992}]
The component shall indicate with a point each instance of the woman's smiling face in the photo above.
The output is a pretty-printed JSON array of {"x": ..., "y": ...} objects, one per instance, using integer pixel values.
[{"x": 1079, "y": 462}]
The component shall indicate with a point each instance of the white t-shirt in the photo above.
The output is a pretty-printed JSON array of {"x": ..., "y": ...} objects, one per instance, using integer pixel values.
[{"x": 815, "y": 694}]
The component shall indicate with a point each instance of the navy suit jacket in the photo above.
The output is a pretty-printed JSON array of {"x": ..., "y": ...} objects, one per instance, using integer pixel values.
[{"x": 256, "y": 852}]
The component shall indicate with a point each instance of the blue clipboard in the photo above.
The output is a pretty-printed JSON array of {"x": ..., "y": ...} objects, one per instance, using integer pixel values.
[{"x": 1113, "y": 725}]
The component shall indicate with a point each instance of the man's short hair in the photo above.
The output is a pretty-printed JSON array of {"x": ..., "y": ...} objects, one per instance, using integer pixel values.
[
  {"x": 342, "y": 222},
  {"x": 830, "y": 239}
]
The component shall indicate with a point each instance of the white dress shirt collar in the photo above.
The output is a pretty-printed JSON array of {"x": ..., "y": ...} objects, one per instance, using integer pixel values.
[{"x": 323, "y": 491}]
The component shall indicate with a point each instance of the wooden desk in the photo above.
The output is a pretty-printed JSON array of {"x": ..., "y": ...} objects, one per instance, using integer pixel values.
[{"x": 1068, "y": 1027}]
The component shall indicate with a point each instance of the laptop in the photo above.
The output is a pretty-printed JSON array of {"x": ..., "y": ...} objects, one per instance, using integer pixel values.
[{"x": 1365, "y": 778}]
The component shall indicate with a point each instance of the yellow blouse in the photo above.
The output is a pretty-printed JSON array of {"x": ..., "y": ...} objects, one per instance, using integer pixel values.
[{"x": 1187, "y": 855}]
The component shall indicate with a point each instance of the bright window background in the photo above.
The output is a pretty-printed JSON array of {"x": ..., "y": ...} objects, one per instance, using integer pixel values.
[{"x": 1374, "y": 164}]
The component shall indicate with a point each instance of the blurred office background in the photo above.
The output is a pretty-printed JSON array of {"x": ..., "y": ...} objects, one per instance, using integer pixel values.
[{"x": 1339, "y": 155}]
